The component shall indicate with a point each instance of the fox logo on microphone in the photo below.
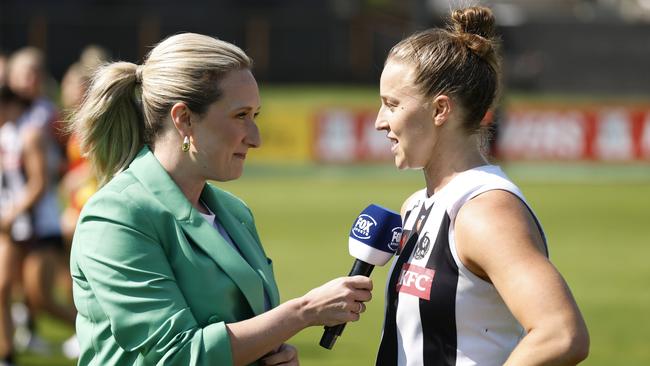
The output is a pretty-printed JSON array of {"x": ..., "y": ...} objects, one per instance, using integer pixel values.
[
  {"x": 363, "y": 226},
  {"x": 373, "y": 235},
  {"x": 372, "y": 243},
  {"x": 396, "y": 238}
]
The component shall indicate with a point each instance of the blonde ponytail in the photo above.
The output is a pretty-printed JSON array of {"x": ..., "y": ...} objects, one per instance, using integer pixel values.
[{"x": 109, "y": 122}]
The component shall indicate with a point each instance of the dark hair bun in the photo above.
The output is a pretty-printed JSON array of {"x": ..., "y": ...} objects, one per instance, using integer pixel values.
[
  {"x": 474, "y": 26},
  {"x": 474, "y": 20}
]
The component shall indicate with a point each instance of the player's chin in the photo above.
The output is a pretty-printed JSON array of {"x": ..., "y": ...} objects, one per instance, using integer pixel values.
[
  {"x": 406, "y": 165},
  {"x": 401, "y": 163}
]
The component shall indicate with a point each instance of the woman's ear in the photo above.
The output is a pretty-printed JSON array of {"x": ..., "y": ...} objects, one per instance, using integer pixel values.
[
  {"x": 181, "y": 116},
  {"x": 442, "y": 108}
]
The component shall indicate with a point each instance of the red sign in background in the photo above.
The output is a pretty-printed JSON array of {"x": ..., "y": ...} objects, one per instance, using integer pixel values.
[
  {"x": 608, "y": 134},
  {"x": 525, "y": 133},
  {"x": 345, "y": 136}
]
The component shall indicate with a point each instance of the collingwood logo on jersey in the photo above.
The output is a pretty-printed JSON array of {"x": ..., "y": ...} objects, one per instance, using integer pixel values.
[{"x": 422, "y": 247}]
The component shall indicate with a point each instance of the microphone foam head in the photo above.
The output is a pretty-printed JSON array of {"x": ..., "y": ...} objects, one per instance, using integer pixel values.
[{"x": 375, "y": 235}]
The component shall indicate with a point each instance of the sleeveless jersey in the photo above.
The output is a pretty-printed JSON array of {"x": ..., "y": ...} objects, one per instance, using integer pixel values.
[{"x": 437, "y": 311}]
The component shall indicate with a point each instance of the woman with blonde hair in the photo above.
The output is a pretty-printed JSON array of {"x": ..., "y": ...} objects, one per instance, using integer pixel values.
[
  {"x": 167, "y": 268},
  {"x": 472, "y": 283}
]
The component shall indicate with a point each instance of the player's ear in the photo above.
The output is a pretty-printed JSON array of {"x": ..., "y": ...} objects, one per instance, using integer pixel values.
[{"x": 442, "y": 107}]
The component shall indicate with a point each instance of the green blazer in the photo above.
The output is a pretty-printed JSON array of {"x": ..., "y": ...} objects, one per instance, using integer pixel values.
[{"x": 154, "y": 283}]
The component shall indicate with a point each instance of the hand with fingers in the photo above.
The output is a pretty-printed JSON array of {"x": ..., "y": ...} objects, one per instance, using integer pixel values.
[
  {"x": 361, "y": 309},
  {"x": 338, "y": 301},
  {"x": 285, "y": 355}
]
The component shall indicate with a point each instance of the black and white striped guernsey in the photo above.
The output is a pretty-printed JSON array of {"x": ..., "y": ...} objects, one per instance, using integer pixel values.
[{"x": 437, "y": 311}]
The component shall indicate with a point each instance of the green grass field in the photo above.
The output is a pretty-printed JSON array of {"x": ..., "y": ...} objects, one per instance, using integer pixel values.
[
  {"x": 598, "y": 232},
  {"x": 597, "y": 229}
]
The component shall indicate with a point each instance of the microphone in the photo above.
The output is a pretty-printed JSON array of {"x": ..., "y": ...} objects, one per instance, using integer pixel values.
[{"x": 374, "y": 237}]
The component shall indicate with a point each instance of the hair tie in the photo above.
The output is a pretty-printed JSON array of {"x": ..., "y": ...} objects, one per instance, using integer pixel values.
[{"x": 138, "y": 74}]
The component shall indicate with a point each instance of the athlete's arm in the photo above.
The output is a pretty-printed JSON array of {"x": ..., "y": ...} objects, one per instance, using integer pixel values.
[
  {"x": 498, "y": 239},
  {"x": 35, "y": 171}
]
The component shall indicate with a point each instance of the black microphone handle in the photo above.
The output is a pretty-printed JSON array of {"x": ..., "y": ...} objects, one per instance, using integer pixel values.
[
  {"x": 361, "y": 268},
  {"x": 331, "y": 333}
]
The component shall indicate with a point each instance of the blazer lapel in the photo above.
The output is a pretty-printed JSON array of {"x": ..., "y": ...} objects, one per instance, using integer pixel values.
[
  {"x": 244, "y": 239},
  {"x": 155, "y": 179}
]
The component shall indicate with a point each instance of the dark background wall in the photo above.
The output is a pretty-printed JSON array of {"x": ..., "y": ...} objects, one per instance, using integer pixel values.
[{"x": 330, "y": 41}]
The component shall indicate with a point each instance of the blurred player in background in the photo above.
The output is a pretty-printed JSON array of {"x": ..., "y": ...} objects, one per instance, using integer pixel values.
[
  {"x": 78, "y": 182},
  {"x": 38, "y": 139},
  {"x": 472, "y": 283},
  {"x": 15, "y": 225}
]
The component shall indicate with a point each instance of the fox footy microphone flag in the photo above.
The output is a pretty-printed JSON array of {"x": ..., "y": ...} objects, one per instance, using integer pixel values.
[{"x": 374, "y": 237}]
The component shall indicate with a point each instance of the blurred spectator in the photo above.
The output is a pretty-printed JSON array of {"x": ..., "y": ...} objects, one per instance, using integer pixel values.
[
  {"x": 19, "y": 156},
  {"x": 37, "y": 144},
  {"x": 73, "y": 86},
  {"x": 93, "y": 56},
  {"x": 26, "y": 76},
  {"x": 78, "y": 183}
]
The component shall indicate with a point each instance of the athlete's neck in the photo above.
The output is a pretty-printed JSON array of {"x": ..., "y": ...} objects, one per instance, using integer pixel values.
[{"x": 447, "y": 165}]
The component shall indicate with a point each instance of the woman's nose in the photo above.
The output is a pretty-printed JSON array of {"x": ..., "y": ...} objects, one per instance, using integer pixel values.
[{"x": 253, "y": 138}]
